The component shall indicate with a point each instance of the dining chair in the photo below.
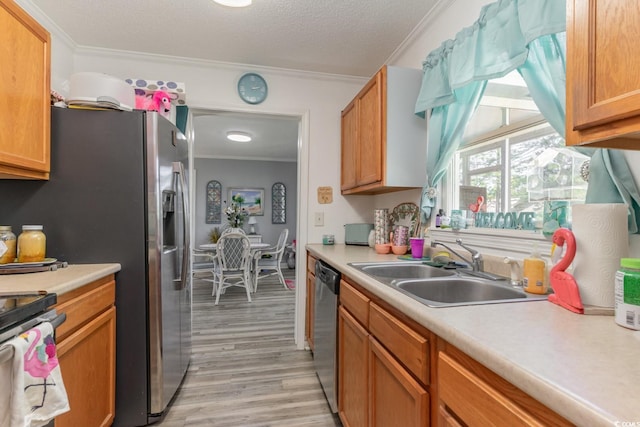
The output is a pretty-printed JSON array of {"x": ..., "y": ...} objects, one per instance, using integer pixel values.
[
  {"x": 204, "y": 261},
  {"x": 233, "y": 264},
  {"x": 232, "y": 230},
  {"x": 270, "y": 265}
]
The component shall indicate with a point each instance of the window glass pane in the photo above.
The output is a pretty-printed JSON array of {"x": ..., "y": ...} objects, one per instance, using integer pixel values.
[
  {"x": 484, "y": 159},
  {"x": 491, "y": 181},
  {"x": 512, "y": 157},
  {"x": 539, "y": 168}
]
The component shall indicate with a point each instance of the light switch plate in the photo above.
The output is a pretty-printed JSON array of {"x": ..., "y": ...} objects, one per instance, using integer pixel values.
[{"x": 318, "y": 219}]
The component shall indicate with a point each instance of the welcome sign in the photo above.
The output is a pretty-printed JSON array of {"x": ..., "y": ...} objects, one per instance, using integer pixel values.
[{"x": 506, "y": 220}]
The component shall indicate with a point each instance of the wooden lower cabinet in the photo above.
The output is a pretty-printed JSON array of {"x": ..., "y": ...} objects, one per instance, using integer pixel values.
[
  {"x": 472, "y": 395},
  {"x": 393, "y": 372},
  {"x": 353, "y": 371},
  {"x": 310, "y": 302},
  {"x": 86, "y": 353},
  {"x": 446, "y": 419},
  {"x": 375, "y": 387},
  {"x": 395, "y": 398}
]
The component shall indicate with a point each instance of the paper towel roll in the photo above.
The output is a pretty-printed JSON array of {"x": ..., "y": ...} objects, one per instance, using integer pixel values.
[{"x": 601, "y": 240}]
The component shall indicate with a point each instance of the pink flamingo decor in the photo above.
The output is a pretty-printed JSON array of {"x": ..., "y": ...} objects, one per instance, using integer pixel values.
[
  {"x": 477, "y": 207},
  {"x": 160, "y": 101},
  {"x": 566, "y": 293},
  {"x": 40, "y": 360}
]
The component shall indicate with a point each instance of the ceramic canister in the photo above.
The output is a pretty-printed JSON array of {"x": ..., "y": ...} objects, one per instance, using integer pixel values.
[
  {"x": 401, "y": 235},
  {"x": 381, "y": 225}
]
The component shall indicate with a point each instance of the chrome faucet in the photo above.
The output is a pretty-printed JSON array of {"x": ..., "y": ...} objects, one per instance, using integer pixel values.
[{"x": 476, "y": 262}]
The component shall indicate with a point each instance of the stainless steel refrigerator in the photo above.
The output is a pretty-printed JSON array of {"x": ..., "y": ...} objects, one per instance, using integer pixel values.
[{"x": 118, "y": 193}]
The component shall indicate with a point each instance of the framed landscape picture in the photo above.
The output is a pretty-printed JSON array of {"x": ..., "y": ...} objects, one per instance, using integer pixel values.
[{"x": 251, "y": 199}]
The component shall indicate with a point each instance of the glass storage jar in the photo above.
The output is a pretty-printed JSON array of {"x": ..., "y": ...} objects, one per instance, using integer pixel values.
[
  {"x": 7, "y": 245},
  {"x": 31, "y": 244}
]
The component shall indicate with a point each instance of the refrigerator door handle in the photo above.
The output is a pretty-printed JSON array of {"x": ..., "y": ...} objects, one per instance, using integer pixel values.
[{"x": 178, "y": 168}]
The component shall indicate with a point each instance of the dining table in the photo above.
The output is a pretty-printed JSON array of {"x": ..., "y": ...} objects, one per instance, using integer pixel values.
[{"x": 255, "y": 247}]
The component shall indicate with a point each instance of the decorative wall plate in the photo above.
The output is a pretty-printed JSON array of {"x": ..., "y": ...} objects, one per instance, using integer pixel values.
[{"x": 407, "y": 214}]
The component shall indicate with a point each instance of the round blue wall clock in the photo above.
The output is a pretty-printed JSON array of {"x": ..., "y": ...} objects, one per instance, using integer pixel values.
[{"x": 252, "y": 88}]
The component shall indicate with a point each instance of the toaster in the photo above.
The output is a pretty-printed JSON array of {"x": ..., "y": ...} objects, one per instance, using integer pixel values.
[{"x": 357, "y": 234}]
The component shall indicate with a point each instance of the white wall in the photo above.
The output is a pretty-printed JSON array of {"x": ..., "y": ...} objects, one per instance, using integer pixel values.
[
  {"x": 62, "y": 49},
  {"x": 212, "y": 85},
  {"x": 454, "y": 16},
  {"x": 246, "y": 174},
  {"x": 450, "y": 17}
]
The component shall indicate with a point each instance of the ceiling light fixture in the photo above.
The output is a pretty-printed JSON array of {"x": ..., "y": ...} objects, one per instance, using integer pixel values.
[
  {"x": 238, "y": 136},
  {"x": 234, "y": 3}
]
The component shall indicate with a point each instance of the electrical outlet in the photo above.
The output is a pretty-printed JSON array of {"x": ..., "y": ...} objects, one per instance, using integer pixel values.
[{"x": 318, "y": 219}]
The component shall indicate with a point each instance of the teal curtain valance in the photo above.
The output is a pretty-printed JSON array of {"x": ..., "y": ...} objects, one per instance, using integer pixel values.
[
  {"x": 527, "y": 35},
  {"x": 494, "y": 45}
]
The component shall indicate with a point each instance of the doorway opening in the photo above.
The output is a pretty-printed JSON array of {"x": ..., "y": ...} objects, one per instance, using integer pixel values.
[{"x": 277, "y": 153}]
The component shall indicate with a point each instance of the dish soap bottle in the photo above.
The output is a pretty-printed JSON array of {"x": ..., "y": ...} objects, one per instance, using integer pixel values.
[{"x": 534, "y": 272}]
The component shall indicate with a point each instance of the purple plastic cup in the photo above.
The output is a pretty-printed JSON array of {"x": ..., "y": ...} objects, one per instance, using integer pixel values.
[{"x": 417, "y": 246}]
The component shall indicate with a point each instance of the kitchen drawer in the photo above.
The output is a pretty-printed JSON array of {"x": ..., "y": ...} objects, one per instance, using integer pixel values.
[
  {"x": 84, "y": 304},
  {"x": 409, "y": 347},
  {"x": 355, "y": 302},
  {"x": 479, "y": 397}
]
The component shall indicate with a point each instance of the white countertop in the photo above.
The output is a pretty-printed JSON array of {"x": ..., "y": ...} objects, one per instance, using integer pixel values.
[
  {"x": 60, "y": 281},
  {"x": 584, "y": 367}
]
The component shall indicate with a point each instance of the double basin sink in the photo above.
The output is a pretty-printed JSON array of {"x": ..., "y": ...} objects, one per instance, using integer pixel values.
[{"x": 437, "y": 287}]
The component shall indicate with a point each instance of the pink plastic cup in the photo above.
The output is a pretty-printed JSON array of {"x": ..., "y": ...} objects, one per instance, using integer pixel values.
[{"x": 417, "y": 246}]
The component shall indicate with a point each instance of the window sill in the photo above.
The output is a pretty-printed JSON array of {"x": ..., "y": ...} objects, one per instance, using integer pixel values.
[{"x": 497, "y": 242}]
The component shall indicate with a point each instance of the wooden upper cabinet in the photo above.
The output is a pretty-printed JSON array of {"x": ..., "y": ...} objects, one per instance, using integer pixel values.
[
  {"x": 370, "y": 147},
  {"x": 603, "y": 84},
  {"x": 24, "y": 95},
  {"x": 349, "y": 147},
  {"x": 383, "y": 141}
]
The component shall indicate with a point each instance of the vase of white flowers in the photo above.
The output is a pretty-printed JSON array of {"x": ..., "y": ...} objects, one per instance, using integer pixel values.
[{"x": 235, "y": 213}]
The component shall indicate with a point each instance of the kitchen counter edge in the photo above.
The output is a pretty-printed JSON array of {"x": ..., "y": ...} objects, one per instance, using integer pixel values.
[
  {"x": 60, "y": 281},
  {"x": 554, "y": 355}
]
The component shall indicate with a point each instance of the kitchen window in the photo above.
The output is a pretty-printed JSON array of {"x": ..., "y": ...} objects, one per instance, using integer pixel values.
[
  {"x": 519, "y": 171},
  {"x": 515, "y": 160}
]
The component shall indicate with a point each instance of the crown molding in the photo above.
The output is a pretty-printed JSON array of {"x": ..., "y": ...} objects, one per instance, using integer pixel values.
[
  {"x": 206, "y": 63},
  {"x": 254, "y": 159},
  {"x": 431, "y": 16},
  {"x": 46, "y": 22}
]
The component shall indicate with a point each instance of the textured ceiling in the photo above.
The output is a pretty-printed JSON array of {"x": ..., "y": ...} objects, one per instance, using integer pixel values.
[
  {"x": 352, "y": 37},
  {"x": 348, "y": 37},
  {"x": 274, "y": 137}
]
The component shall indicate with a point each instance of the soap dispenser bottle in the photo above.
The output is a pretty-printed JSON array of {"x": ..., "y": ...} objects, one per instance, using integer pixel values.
[
  {"x": 439, "y": 218},
  {"x": 534, "y": 273}
]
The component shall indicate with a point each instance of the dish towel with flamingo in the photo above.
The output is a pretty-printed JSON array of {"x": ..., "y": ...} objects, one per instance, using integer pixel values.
[{"x": 35, "y": 393}]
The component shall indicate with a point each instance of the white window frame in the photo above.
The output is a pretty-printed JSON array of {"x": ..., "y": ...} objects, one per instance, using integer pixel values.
[{"x": 490, "y": 241}]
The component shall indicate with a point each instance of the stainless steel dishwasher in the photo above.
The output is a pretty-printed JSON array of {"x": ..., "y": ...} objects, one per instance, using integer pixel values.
[{"x": 325, "y": 327}]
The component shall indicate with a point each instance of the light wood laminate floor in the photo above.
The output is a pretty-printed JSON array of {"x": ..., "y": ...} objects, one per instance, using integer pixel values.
[{"x": 245, "y": 369}]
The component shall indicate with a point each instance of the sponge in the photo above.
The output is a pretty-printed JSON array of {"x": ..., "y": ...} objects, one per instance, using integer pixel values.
[{"x": 442, "y": 257}]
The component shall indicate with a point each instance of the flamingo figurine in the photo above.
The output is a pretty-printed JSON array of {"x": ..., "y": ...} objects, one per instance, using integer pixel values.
[
  {"x": 566, "y": 293},
  {"x": 160, "y": 102}
]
